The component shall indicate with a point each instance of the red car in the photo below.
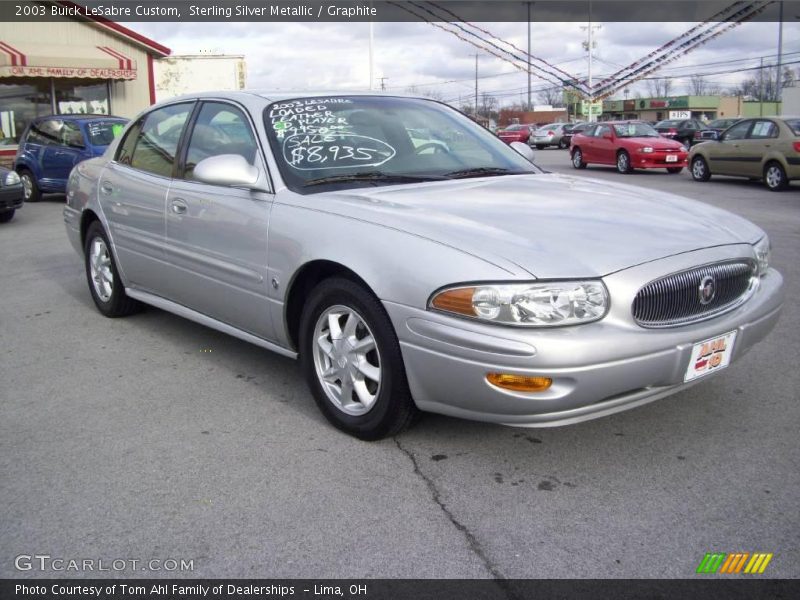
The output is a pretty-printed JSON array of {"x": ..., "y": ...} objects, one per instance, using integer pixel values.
[
  {"x": 516, "y": 133},
  {"x": 629, "y": 145}
]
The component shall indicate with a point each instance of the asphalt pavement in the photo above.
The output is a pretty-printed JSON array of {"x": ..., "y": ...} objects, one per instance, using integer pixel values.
[{"x": 151, "y": 437}]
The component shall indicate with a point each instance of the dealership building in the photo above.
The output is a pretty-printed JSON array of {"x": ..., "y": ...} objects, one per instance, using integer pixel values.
[{"x": 72, "y": 65}]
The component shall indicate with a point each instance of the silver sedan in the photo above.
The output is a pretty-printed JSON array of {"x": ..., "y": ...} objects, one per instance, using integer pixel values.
[{"x": 451, "y": 276}]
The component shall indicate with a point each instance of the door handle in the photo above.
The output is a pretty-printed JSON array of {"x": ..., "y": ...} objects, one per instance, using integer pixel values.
[
  {"x": 106, "y": 187},
  {"x": 178, "y": 206}
]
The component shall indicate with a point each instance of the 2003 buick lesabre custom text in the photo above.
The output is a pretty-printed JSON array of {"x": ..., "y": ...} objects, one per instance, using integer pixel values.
[{"x": 412, "y": 260}]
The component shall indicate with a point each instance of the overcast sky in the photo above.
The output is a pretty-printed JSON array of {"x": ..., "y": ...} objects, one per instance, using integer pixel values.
[{"x": 303, "y": 56}]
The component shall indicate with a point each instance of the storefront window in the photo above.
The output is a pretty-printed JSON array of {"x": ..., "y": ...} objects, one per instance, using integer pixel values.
[
  {"x": 20, "y": 102},
  {"x": 79, "y": 98}
]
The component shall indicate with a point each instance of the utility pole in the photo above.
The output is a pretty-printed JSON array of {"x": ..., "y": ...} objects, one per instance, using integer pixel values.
[
  {"x": 761, "y": 89},
  {"x": 529, "y": 57},
  {"x": 476, "y": 87},
  {"x": 779, "y": 78},
  {"x": 589, "y": 45},
  {"x": 383, "y": 83}
]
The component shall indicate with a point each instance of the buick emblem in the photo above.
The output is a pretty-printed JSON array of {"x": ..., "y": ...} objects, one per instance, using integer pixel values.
[{"x": 707, "y": 290}]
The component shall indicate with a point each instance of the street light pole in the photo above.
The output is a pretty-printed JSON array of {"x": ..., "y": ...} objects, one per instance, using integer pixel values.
[
  {"x": 529, "y": 57},
  {"x": 476, "y": 87},
  {"x": 779, "y": 77}
]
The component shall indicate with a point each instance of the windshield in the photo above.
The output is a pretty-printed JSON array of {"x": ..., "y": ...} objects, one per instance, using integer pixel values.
[
  {"x": 629, "y": 130},
  {"x": 351, "y": 141},
  {"x": 102, "y": 133}
]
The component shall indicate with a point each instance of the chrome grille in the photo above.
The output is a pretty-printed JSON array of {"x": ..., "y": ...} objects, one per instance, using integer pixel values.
[{"x": 675, "y": 299}]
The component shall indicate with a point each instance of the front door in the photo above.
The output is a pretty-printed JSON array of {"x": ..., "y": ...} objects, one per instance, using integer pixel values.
[
  {"x": 725, "y": 156},
  {"x": 217, "y": 235}
]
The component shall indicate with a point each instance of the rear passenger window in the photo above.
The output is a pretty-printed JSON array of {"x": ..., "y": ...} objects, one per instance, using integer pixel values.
[
  {"x": 219, "y": 129},
  {"x": 764, "y": 129},
  {"x": 156, "y": 140}
]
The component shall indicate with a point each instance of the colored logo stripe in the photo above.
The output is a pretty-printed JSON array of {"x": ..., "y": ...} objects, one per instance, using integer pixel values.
[{"x": 722, "y": 562}]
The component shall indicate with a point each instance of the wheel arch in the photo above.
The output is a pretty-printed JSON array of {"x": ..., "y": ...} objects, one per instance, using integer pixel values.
[
  {"x": 87, "y": 218},
  {"x": 303, "y": 282}
]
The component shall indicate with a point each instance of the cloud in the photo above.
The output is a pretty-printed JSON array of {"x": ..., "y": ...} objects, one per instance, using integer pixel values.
[{"x": 302, "y": 56}]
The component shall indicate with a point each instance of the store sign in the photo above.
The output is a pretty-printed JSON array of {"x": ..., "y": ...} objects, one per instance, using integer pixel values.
[
  {"x": 680, "y": 114},
  {"x": 93, "y": 73},
  {"x": 659, "y": 103},
  {"x": 593, "y": 108}
]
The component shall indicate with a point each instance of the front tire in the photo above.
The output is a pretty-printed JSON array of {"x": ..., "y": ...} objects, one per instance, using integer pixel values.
[
  {"x": 775, "y": 177},
  {"x": 351, "y": 359},
  {"x": 105, "y": 285},
  {"x": 7, "y": 215},
  {"x": 30, "y": 190},
  {"x": 700, "y": 170},
  {"x": 563, "y": 144},
  {"x": 541, "y": 146},
  {"x": 577, "y": 159},
  {"x": 624, "y": 162}
]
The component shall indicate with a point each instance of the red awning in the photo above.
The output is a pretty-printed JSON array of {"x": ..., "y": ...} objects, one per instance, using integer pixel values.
[{"x": 24, "y": 59}]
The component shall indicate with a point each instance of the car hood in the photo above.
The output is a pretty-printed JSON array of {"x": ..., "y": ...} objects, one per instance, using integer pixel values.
[
  {"x": 658, "y": 143},
  {"x": 550, "y": 225}
]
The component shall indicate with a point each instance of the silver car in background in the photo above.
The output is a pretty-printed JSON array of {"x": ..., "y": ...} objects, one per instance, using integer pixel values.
[
  {"x": 450, "y": 276},
  {"x": 549, "y": 135}
]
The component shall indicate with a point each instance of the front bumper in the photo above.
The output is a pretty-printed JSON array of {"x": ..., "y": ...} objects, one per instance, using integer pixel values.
[
  {"x": 658, "y": 160},
  {"x": 597, "y": 369},
  {"x": 11, "y": 197}
]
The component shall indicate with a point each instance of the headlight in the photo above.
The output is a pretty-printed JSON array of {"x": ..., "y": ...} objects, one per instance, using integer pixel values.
[
  {"x": 539, "y": 304},
  {"x": 12, "y": 178},
  {"x": 646, "y": 149},
  {"x": 763, "y": 249}
]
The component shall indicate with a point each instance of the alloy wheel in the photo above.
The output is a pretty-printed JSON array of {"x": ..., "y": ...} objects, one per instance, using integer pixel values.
[
  {"x": 347, "y": 360},
  {"x": 100, "y": 269}
]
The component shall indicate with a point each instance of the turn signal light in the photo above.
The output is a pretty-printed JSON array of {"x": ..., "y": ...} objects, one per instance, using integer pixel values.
[
  {"x": 458, "y": 300},
  {"x": 519, "y": 383}
]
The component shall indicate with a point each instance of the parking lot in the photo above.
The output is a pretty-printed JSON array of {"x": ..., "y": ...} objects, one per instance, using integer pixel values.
[{"x": 151, "y": 437}]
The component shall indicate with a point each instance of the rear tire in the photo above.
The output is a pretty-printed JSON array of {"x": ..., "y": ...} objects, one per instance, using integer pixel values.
[
  {"x": 352, "y": 363},
  {"x": 775, "y": 177},
  {"x": 7, "y": 215},
  {"x": 105, "y": 285},
  {"x": 624, "y": 162},
  {"x": 577, "y": 159},
  {"x": 673, "y": 170},
  {"x": 700, "y": 170},
  {"x": 30, "y": 190}
]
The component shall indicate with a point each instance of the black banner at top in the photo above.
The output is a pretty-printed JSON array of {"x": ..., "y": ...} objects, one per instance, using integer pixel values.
[{"x": 402, "y": 10}]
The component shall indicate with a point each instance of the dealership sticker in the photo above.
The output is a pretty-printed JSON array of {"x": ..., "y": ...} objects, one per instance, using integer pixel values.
[{"x": 709, "y": 356}]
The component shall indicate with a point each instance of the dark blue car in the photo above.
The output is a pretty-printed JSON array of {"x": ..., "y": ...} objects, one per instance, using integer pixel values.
[{"x": 52, "y": 145}]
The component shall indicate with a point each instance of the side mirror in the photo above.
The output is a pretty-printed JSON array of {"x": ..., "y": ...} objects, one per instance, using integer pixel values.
[
  {"x": 523, "y": 149},
  {"x": 227, "y": 169}
]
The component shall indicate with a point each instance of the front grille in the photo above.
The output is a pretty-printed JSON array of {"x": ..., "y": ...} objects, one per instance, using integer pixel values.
[{"x": 676, "y": 299}]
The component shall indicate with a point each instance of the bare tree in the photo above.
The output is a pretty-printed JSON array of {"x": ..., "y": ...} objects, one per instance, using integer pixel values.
[
  {"x": 762, "y": 86},
  {"x": 700, "y": 86},
  {"x": 488, "y": 105},
  {"x": 554, "y": 96},
  {"x": 659, "y": 87}
]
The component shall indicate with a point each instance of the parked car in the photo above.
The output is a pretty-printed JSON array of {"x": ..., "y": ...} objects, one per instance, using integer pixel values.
[
  {"x": 10, "y": 194},
  {"x": 51, "y": 146},
  {"x": 629, "y": 145},
  {"x": 574, "y": 129},
  {"x": 714, "y": 129},
  {"x": 516, "y": 133},
  {"x": 681, "y": 130},
  {"x": 375, "y": 266},
  {"x": 766, "y": 148},
  {"x": 549, "y": 135}
]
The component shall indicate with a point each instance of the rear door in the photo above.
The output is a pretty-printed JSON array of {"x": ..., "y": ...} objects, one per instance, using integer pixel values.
[
  {"x": 217, "y": 235},
  {"x": 761, "y": 140},
  {"x": 133, "y": 194}
]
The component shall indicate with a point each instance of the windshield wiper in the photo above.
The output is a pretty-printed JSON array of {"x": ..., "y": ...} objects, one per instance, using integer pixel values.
[
  {"x": 482, "y": 172},
  {"x": 372, "y": 176}
]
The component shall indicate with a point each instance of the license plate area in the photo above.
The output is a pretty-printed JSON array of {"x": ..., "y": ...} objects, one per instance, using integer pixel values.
[
  {"x": 672, "y": 158},
  {"x": 710, "y": 356}
]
